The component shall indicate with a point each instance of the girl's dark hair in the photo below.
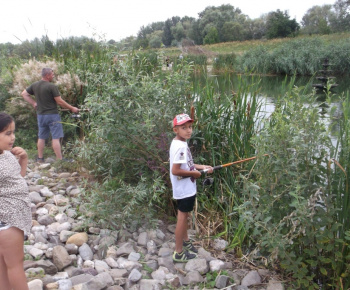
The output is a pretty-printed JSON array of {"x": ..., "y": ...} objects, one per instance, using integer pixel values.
[{"x": 5, "y": 121}]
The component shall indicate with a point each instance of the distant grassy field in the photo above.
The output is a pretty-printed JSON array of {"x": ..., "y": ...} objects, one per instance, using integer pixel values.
[{"x": 240, "y": 47}]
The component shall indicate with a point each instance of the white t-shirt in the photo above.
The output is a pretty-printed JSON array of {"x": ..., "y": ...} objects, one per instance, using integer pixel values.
[{"x": 181, "y": 154}]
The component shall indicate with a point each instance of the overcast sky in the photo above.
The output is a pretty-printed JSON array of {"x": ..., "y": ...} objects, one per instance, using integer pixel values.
[{"x": 111, "y": 19}]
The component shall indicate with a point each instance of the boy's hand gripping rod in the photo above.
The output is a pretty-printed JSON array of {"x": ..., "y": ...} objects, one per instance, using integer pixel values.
[{"x": 222, "y": 166}]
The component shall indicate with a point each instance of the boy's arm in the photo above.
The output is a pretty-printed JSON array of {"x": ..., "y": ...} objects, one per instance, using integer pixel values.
[
  {"x": 177, "y": 171},
  {"x": 202, "y": 167}
]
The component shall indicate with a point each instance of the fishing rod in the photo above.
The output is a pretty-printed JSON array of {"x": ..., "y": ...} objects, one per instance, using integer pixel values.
[{"x": 223, "y": 165}]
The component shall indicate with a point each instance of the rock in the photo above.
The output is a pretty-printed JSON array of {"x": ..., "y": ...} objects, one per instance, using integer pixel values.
[
  {"x": 220, "y": 244},
  {"x": 275, "y": 285},
  {"x": 78, "y": 239},
  {"x": 125, "y": 249},
  {"x": 193, "y": 278},
  {"x": 35, "y": 285},
  {"x": 60, "y": 257},
  {"x": 221, "y": 281},
  {"x": 197, "y": 264},
  {"x": 252, "y": 278},
  {"x": 142, "y": 239},
  {"x": 135, "y": 276},
  {"x": 85, "y": 252}
]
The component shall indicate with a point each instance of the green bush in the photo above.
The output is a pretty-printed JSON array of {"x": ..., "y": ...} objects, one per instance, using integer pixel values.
[{"x": 287, "y": 208}]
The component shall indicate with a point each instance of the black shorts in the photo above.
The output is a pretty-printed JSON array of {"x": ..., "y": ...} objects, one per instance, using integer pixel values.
[{"x": 186, "y": 204}]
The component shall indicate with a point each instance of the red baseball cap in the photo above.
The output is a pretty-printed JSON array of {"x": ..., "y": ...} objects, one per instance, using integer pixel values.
[{"x": 181, "y": 119}]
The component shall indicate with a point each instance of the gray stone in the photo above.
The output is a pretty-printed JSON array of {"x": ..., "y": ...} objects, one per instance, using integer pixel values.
[
  {"x": 142, "y": 239},
  {"x": 135, "y": 276},
  {"x": 221, "y": 281},
  {"x": 85, "y": 252},
  {"x": 134, "y": 256},
  {"x": 220, "y": 244},
  {"x": 35, "y": 197},
  {"x": 64, "y": 284},
  {"x": 46, "y": 220},
  {"x": 275, "y": 285},
  {"x": 79, "y": 279},
  {"x": 60, "y": 257},
  {"x": 125, "y": 249},
  {"x": 252, "y": 278},
  {"x": 193, "y": 278},
  {"x": 150, "y": 284},
  {"x": 197, "y": 264},
  {"x": 35, "y": 285}
]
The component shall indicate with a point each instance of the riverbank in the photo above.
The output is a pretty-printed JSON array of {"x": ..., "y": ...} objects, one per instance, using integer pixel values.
[{"x": 62, "y": 253}]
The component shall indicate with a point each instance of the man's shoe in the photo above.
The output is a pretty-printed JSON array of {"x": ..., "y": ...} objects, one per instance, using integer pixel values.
[
  {"x": 40, "y": 160},
  {"x": 189, "y": 247},
  {"x": 183, "y": 257}
]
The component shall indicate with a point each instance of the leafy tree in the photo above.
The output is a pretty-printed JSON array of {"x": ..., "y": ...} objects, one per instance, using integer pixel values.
[
  {"x": 232, "y": 31},
  {"x": 178, "y": 31},
  {"x": 279, "y": 25},
  {"x": 155, "y": 39},
  {"x": 256, "y": 28},
  {"x": 212, "y": 36},
  {"x": 341, "y": 21},
  {"x": 217, "y": 17},
  {"x": 195, "y": 33},
  {"x": 317, "y": 20},
  {"x": 48, "y": 45}
]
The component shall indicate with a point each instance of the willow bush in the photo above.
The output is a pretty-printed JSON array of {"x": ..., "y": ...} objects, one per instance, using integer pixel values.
[
  {"x": 132, "y": 103},
  {"x": 287, "y": 207}
]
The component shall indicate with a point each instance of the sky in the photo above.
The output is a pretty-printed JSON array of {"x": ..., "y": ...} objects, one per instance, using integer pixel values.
[{"x": 22, "y": 20}]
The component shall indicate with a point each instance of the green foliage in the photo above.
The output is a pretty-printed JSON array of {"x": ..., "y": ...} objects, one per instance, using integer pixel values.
[
  {"x": 286, "y": 207},
  {"x": 114, "y": 204},
  {"x": 299, "y": 56},
  {"x": 225, "y": 62},
  {"x": 226, "y": 123},
  {"x": 279, "y": 25}
]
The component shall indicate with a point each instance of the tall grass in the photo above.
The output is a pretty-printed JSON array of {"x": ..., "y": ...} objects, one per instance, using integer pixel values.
[
  {"x": 339, "y": 178},
  {"x": 225, "y": 124},
  {"x": 300, "y": 56}
]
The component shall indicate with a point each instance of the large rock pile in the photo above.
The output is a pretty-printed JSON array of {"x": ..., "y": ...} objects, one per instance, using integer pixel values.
[{"x": 62, "y": 254}]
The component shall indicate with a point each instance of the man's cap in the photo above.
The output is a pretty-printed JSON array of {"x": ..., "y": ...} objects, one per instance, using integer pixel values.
[{"x": 181, "y": 119}]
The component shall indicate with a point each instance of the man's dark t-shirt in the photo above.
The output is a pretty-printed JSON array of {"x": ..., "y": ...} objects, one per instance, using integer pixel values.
[{"x": 45, "y": 93}]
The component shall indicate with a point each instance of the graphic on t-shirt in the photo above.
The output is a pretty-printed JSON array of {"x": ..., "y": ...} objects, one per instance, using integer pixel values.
[
  {"x": 190, "y": 162},
  {"x": 182, "y": 156}
]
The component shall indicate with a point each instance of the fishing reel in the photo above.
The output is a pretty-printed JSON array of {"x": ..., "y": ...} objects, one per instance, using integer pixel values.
[
  {"x": 208, "y": 181},
  {"x": 75, "y": 116}
]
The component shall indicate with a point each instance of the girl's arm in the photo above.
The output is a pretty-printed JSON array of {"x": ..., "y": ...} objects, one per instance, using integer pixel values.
[{"x": 22, "y": 156}]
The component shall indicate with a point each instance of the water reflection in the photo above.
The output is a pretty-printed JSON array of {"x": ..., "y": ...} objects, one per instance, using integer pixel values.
[{"x": 270, "y": 88}]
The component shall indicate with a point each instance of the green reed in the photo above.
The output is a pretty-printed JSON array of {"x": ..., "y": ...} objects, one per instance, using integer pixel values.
[
  {"x": 339, "y": 177},
  {"x": 226, "y": 121}
]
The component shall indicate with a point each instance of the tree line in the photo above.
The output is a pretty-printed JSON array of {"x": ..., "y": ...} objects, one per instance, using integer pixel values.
[
  {"x": 214, "y": 25},
  {"x": 226, "y": 23}
]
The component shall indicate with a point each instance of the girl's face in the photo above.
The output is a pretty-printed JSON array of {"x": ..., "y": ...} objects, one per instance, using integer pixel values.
[{"x": 7, "y": 137}]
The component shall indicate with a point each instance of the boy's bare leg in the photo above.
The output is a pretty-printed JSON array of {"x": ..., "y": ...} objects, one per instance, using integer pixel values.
[
  {"x": 181, "y": 230},
  {"x": 11, "y": 253}
]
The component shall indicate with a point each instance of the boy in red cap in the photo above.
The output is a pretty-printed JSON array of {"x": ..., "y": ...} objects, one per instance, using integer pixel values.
[{"x": 185, "y": 189}]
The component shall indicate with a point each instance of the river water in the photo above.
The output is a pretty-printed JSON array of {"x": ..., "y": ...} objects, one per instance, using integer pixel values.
[{"x": 270, "y": 88}]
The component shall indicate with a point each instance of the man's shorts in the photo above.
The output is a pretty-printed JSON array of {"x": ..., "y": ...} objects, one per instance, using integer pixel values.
[
  {"x": 186, "y": 204},
  {"x": 50, "y": 124}
]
